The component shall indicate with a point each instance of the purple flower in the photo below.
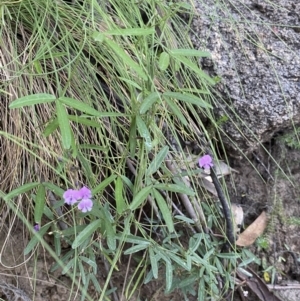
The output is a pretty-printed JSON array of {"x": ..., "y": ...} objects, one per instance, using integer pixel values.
[
  {"x": 85, "y": 193},
  {"x": 206, "y": 162},
  {"x": 85, "y": 205},
  {"x": 36, "y": 227},
  {"x": 71, "y": 196}
]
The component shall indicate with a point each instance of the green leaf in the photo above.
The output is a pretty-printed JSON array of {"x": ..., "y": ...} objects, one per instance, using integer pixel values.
[
  {"x": 69, "y": 265},
  {"x": 57, "y": 245},
  {"x": 144, "y": 132},
  {"x": 126, "y": 58},
  {"x": 50, "y": 128},
  {"x": 154, "y": 263},
  {"x": 201, "y": 290},
  {"x": 84, "y": 121},
  {"x": 176, "y": 110},
  {"x": 175, "y": 188},
  {"x": 190, "y": 98},
  {"x": 120, "y": 202},
  {"x": 195, "y": 68},
  {"x": 103, "y": 184},
  {"x": 185, "y": 219},
  {"x": 148, "y": 277},
  {"x": 228, "y": 255},
  {"x": 157, "y": 161},
  {"x": 165, "y": 210},
  {"x": 188, "y": 281},
  {"x": 164, "y": 61},
  {"x": 20, "y": 190},
  {"x": 30, "y": 100},
  {"x": 36, "y": 238},
  {"x": 195, "y": 242},
  {"x": 39, "y": 204},
  {"x": 130, "y": 31},
  {"x": 137, "y": 248},
  {"x": 219, "y": 266},
  {"x": 89, "y": 261},
  {"x": 79, "y": 105},
  {"x": 178, "y": 260},
  {"x": 82, "y": 272},
  {"x": 189, "y": 262},
  {"x": 149, "y": 101},
  {"x": 110, "y": 234},
  {"x": 95, "y": 282},
  {"x": 64, "y": 125},
  {"x": 169, "y": 276},
  {"x": 134, "y": 239},
  {"x": 190, "y": 52},
  {"x": 54, "y": 188},
  {"x": 84, "y": 234},
  {"x": 93, "y": 146},
  {"x": 140, "y": 198},
  {"x": 38, "y": 67},
  {"x": 98, "y": 36},
  {"x": 73, "y": 230},
  {"x": 131, "y": 83},
  {"x": 64, "y": 259}
]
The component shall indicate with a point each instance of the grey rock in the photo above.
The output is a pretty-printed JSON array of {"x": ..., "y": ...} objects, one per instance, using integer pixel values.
[{"x": 255, "y": 48}]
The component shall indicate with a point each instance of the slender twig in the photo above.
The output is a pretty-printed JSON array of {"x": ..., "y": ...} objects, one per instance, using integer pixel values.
[{"x": 227, "y": 213}]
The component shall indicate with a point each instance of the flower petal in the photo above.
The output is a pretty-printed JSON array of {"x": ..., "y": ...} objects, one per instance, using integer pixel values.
[
  {"x": 85, "y": 193},
  {"x": 206, "y": 162},
  {"x": 71, "y": 196},
  {"x": 85, "y": 205}
]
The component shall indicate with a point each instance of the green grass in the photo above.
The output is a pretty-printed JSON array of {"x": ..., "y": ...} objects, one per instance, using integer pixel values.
[{"x": 95, "y": 95}]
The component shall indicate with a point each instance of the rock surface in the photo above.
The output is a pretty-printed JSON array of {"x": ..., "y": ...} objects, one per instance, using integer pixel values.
[{"x": 255, "y": 47}]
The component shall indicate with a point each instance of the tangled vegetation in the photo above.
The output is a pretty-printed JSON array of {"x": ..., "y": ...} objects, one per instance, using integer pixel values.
[{"x": 110, "y": 96}]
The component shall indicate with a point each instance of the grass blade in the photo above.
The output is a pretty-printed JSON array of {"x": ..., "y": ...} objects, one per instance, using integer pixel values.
[
  {"x": 190, "y": 98},
  {"x": 130, "y": 31}
]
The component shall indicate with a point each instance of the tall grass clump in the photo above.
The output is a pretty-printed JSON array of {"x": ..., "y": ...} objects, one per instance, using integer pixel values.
[{"x": 109, "y": 97}]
